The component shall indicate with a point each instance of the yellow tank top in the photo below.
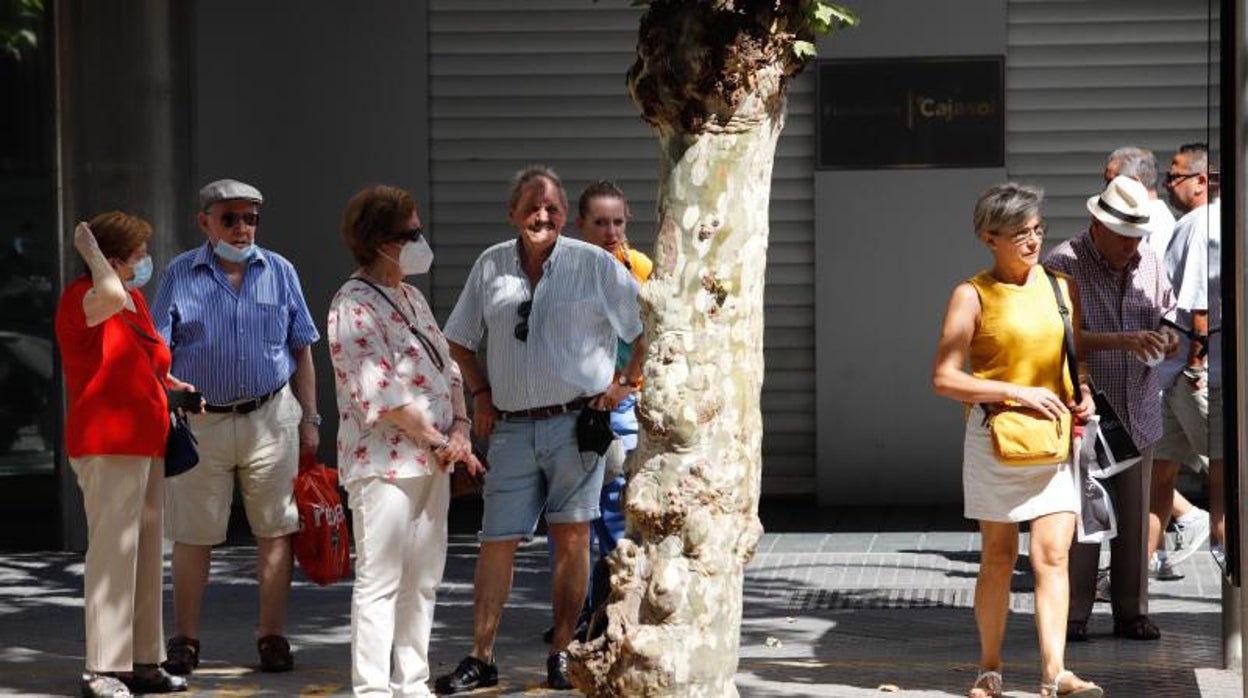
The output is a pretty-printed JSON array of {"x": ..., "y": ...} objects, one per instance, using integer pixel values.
[{"x": 1019, "y": 338}]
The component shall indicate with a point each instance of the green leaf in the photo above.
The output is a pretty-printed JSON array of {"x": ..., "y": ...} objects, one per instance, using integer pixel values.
[
  {"x": 823, "y": 14},
  {"x": 804, "y": 49},
  {"x": 842, "y": 14}
]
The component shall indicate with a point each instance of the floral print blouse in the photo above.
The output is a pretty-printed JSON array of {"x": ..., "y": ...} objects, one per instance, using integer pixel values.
[{"x": 380, "y": 365}]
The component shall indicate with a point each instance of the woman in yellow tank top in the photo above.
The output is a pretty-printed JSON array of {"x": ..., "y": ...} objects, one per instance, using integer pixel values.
[{"x": 1002, "y": 343}]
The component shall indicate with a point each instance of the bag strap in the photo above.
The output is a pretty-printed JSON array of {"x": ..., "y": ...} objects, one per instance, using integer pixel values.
[
  {"x": 142, "y": 334},
  {"x": 1068, "y": 343},
  {"x": 425, "y": 343},
  {"x": 1068, "y": 334}
]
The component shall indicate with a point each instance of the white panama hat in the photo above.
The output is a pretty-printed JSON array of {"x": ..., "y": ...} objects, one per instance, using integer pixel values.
[{"x": 1123, "y": 207}]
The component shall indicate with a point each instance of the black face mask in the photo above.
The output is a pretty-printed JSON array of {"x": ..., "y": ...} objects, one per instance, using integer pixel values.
[{"x": 593, "y": 431}]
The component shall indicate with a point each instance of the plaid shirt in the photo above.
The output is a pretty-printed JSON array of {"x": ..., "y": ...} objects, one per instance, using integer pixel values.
[{"x": 1109, "y": 301}]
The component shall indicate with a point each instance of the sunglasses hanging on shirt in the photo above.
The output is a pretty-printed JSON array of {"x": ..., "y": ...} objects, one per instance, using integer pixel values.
[{"x": 427, "y": 344}]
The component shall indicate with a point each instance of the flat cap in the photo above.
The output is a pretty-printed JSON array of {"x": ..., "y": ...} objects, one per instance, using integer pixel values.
[{"x": 228, "y": 190}]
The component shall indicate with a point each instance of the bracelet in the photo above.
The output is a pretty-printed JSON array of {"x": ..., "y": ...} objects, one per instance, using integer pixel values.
[
  {"x": 465, "y": 420},
  {"x": 478, "y": 391}
]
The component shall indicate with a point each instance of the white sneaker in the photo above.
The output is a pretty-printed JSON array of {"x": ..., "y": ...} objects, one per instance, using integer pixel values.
[
  {"x": 1102, "y": 585},
  {"x": 1162, "y": 569},
  {"x": 1189, "y": 537},
  {"x": 1219, "y": 556}
]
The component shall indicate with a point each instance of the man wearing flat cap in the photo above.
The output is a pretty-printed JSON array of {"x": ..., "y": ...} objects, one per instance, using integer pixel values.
[
  {"x": 1123, "y": 294},
  {"x": 234, "y": 316}
]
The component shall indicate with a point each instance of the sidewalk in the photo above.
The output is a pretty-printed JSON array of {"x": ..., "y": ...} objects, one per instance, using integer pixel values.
[{"x": 877, "y": 600}]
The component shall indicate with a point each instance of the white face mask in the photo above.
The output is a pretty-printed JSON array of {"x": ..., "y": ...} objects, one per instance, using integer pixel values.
[
  {"x": 416, "y": 257},
  {"x": 230, "y": 253}
]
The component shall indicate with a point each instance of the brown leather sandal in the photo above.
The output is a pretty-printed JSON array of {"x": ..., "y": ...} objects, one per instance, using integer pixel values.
[
  {"x": 275, "y": 654},
  {"x": 182, "y": 654}
]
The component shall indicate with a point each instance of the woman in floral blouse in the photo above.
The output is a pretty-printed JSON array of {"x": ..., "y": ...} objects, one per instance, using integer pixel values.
[{"x": 403, "y": 427}]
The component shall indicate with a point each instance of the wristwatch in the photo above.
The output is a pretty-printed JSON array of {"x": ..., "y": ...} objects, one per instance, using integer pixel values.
[
  {"x": 624, "y": 382},
  {"x": 313, "y": 419}
]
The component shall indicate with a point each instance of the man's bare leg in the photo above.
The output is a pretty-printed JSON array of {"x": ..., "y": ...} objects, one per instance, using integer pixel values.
[
  {"x": 491, "y": 588},
  {"x": 190, "y": 578},
  {"x": 571, "y": 576},
  {"x": 274, "y": 565}
]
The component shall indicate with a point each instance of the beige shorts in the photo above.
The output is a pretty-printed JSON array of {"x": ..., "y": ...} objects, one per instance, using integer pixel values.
[
  {"x": 1191, "y": 424},
  {"x": 261, "y": 450}
]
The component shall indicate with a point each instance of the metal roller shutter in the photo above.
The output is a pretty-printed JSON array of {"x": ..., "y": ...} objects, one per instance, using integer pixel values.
[
  {"x": 1083, "y": 78},
  {"x": 543, "y": 81}
]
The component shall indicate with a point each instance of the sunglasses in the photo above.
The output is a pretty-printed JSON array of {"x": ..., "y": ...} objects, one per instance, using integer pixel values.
[
  {"x": 230, "y": 218},
  {"x": 522, "y": 328},
  {"x": 410, "y": 235},
  {"x": 1176, "y": 177},
  {"x": 1023, "y": 236}
]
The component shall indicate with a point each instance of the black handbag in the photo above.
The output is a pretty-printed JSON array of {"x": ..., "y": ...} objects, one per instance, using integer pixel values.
[{"x": 182, "y": 448}]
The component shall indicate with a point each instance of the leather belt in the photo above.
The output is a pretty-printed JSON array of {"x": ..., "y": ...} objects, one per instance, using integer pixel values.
[
  {"x": 244, "y": 407},
  {"x": 539, "y": 413}
]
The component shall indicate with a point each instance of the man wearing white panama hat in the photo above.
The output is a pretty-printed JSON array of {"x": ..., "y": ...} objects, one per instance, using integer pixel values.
[{"x": 1123, "y": 294}]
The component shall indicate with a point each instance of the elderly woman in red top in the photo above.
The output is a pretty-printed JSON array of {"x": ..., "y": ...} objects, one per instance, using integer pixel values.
[{"x": 116, "y": 373}]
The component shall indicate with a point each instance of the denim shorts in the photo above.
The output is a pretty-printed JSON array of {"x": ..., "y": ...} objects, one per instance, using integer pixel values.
[{"x": 536, "y": 464}]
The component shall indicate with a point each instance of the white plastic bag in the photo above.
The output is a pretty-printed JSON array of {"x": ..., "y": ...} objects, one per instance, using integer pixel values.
[{"x": 1096, "y": 520}]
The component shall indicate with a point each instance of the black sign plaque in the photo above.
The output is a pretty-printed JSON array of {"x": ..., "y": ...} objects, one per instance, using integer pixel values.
[{"x": 911, "y": 112}]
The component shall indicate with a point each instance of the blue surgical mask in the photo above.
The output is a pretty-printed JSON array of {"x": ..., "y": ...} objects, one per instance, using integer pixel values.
[
  {"x": 230, "y": 253},
  {"x": 142, "y": 272}
]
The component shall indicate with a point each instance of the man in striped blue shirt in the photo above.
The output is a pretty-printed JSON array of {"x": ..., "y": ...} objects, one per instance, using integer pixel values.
[
  {"x": 235, "y": 318},
  {"x": 547, "y": 310}
]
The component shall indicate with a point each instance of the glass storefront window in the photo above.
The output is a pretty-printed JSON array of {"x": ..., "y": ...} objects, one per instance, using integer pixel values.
[{"x": 29, "y": 405}]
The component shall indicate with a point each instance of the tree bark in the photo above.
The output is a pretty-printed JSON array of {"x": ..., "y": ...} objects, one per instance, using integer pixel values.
[{"x": 674, "y": 615}]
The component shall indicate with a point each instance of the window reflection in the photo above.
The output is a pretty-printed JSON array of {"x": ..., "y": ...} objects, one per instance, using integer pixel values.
[{"x": 28, "y": 247}]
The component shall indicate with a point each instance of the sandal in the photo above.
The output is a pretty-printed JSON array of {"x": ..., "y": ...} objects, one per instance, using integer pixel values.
[
  {"x": 1053, "y": 689},
  {"x": 987, "y": 685},
  {"x": 1138, "y": 628},
  {"x": 103, "y": 686},
  {"x": 150, "y": 678},
  {"x": 183, "y": 655},
  {"x": 275, "y": 654},
  {"x": 1077, "y": 631}
]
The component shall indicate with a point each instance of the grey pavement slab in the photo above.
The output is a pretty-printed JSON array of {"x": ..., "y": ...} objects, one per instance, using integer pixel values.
[{"x": 819, "y": 620}]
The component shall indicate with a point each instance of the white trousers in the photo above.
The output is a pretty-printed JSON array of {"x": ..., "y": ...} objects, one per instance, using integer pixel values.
[
  {"x": 124, "y": 579},
  {"x": 400, "y": 549}
]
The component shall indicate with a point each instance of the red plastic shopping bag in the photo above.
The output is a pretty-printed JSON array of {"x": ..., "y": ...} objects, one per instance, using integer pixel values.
[{"x": 322, "y": 545}]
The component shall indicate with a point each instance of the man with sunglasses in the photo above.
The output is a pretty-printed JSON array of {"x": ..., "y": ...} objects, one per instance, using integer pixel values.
[
  {"x": 547, "y": 310},
  {"x": 1123, "y": 294},
  {"x": 1192, "y": 401},
  {"x": 235, "y": 318}
]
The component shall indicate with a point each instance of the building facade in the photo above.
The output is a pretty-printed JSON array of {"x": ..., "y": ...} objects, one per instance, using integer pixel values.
[{"x": 133, "y": 105}]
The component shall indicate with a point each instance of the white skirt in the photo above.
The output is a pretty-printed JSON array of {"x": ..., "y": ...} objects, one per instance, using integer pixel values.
[{"x": 1010, "y": 494}]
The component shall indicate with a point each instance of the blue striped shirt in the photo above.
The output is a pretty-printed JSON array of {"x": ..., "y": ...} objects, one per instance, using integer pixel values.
[
  {"x": 584, "y": 301},
  {"x": 232, "y": 345}
]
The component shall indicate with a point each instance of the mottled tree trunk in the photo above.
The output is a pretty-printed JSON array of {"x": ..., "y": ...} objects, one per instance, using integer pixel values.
[{"x": 674, "y": 614}]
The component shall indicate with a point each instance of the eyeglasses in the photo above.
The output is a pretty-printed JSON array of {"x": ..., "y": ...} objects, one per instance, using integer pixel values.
[
  {"x": 1173, "y": 178},
  {"x": 1023, "y": 236},
  {"x": 250, "y": 218},
  {"x": 522, "y": 328}
]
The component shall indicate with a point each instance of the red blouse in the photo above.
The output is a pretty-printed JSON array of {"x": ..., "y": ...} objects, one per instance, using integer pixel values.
[{"x": 116, "y": 406}]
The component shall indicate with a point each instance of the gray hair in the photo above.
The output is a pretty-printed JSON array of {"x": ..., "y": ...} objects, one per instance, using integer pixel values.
[
  {"x": 1007, "y": 205},
  {"x": 1137, "y": 163},
  {"x": 526, "y": 177}
]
